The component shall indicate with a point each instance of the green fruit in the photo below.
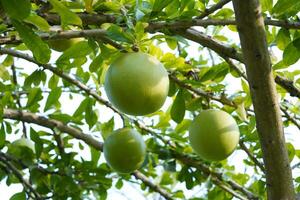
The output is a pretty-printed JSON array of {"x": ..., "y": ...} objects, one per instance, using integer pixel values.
[
  {"x": 137, "y": 84},
  {"x": 214, "y": 135},
  {"x": 22, "y": 149},
  {"x": 63, "y": 44},
  {"x": 124, "y": 150}
]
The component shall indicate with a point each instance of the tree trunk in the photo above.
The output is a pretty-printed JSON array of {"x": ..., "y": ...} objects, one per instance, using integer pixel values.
[{"x": 251, "y": 30}]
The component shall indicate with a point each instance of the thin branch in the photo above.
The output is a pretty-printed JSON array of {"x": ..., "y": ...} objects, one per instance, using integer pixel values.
[
  {"x": 296, "y": 165},
  {"x": 199, "y": 92},
  {"x": 19, "y": 176},
  {"x": 251, "y": 156},
  {"x": 289, "y": 117},
  {"x": 213, "y": 8},
  {"x": 185, "y": 159},
  {"x": 145, "y": 179},
  {"x": 15, "y": 81},
  {"x": 288, "y": 85}
]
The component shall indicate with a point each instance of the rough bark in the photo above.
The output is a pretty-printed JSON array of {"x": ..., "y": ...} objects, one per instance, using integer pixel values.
[{"x": 251, "y": 30}]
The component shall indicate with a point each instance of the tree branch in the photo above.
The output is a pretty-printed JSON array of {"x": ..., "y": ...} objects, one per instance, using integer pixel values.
[
  {"x": 288, "y": 85},
  {"x": 213, "y": 8},
  {"x": 199, "y": 92},
  {"x": 19, "y": 176},
  {"x": 251, "y": 156},
  {"x": 74, "y": 132},
  {"x": 144, "y": 179},
  {"x": 187, "y": 160}
]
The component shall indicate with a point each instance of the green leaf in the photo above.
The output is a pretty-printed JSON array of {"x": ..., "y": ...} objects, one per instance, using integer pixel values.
[
  {"x": 266, "y": 5},
  {"x": 107, "y": 128},
  {"x": 53, "y": 98},
  {"x": 119, "y": 184},
  {"x": 291, "y": 151},
  {"x": 38, "y": 21},
  {"x": 17, "y": 9},
  {"x": 80, "y": 49},
  {"x": 160, "y": 4},
  {"x": 81, "y": 108},
  {"x": 116, "y": 33},
  {"x": 96, "y": 63},
  {"x": 67, "y": 16},
  {"x": 18, "y": 196},
  {"x": 39, "y": 48},
  {"x": 90, "y": 115},
  {"x": 4, "y": 74},
  {"x": 284, "y": 6},
  {"x": 291, "y": 53},
  {"x": 178, "y": 108},
  {"x": 95, "y": 155},
  {"x": 283, "y": 38},
  {"x": 38, "y": 143},
  {"x": 172, "y": 43},
  {"x": 2, "y": 136},
  {"x": 34, "y": 96}
]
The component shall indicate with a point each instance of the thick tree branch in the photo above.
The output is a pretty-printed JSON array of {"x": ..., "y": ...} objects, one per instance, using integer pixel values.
[
  {"x": 51, "y": 123},
  {"x": 98, "y": 19},
  {"x": 267, "y": 111}
]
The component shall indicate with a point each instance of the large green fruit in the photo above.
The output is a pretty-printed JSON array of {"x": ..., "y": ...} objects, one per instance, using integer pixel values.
[
  {"x": 214, "y": 135},
  {"x": 22, "y": 149},
  {"x": 137, "y": 84},
  {"x": 63, "y": 44},
  {"x": 124, "y": 150}
]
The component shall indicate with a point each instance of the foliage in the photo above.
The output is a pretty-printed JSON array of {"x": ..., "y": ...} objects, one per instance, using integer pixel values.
[{"x": 67, "y": 88}]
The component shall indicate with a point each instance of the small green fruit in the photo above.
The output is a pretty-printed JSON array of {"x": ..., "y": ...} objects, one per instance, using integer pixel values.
[
  {"x": 214, "y": 135},
  {"x": 137, "y": 84},
  {"x": 124, "y": 150},
  {"x": 63, "y": 44},
  {"x": 22, "y": 149}
]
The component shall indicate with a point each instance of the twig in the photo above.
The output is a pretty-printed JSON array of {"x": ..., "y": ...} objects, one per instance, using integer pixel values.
[
  {"x": 296, "y": 165},
  {"x": 288, "y": 85},
  {"x": 19, "y": 176},
  {"x": 199, "y": 92},
  {"x": 213, "y": 8},
  {"x": 144, "y": 179},
  {"x": 15, "y": 81},
  {"x": 251, "y": 156},
  {"x": 198, "y": 165}
]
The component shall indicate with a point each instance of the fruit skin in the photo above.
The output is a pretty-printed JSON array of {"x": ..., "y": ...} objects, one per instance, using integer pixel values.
[
  {"x": 22, "y": 149},
  {"x": 137, "y": 84},
  {"x": 214, "y": 135},
  {"x": 124, "y": 150},
  {"x": 63, "y": 44}
]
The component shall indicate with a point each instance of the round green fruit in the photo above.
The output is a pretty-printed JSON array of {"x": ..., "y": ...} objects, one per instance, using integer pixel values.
[
  {"x": 214, "y": 135},
  {"x": 137, "y": 84},
  {"x": 124, "y": 150},
  {"x": 22, "y": 149},
  {"x": 63, "y": 44}
]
